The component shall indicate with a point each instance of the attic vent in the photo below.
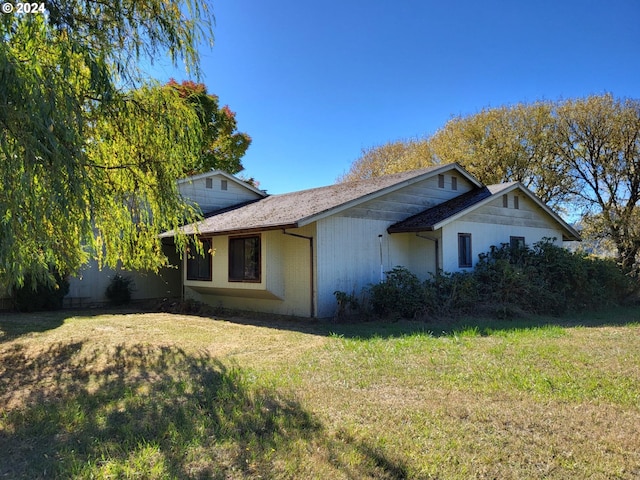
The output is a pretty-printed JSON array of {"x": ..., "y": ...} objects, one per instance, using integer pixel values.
[
  {"x": 516, "y": 202},
  {"x": 440, "y": 181},
  {"x": 454, "y": 183},
  {"x": 223, "y": 185},
  {"x": 209, "y": 183},
  {"x": 505, "y": 201}
]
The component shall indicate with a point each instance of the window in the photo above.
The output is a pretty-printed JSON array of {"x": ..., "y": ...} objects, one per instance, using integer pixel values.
[
  {"x": 454, "y": 183},
  {"x": 209, "y": 183},
  {"x": 505, "y": 201},
  {"x": 244, "y": 259},
  {"x": 516, "y": 242},
  {"x": 440, "y": 181},
  {"x": 198, "y": 266},
  {"x": 464, "y": 250},
  {"x": 223, "y": 185},
  {"x": 516, "y": 202}
]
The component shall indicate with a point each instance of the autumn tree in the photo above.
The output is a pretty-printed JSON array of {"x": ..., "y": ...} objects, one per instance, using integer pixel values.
[
  {"x": 222, "y": 145},
  {"x": 507, "y": 144},
  {"x": 580, "y": 155},
  {"x": 598, "y": 141},
  {"x": 391, "y": 157},
  {"x": 89, "y": 152}
]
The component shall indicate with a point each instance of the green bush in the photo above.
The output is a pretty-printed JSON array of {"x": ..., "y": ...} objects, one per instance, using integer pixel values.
[
  {"x": 549, "y": 279},
  {"x": 507, "y": 281},
  {"x": 451, "y": 293},
  {"x": 43, "y": 297},
  {"x": 119, "y": 290},
  {"x": 400, "y": 294}
]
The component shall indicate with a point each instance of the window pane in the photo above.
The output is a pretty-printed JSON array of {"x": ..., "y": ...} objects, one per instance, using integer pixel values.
[
  {"x": 199, "y": 266},
  {"x": 464, "y": 250},
  {"x": 252, "y": 259},
  {"x": 244, "y": 259}
]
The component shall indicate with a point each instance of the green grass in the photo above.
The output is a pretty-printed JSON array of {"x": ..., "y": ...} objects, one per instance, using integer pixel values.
[{"x": 132, "y": 395}]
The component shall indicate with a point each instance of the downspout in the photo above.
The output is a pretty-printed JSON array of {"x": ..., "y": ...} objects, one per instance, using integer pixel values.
[
  {"x": 312, "y": 307},
  {"x": 437, "y": 245},
  {"x": 381, "y": 262}
]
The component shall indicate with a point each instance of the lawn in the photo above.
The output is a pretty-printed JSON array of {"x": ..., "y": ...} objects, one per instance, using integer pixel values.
[{"x": 156, "y": 395}]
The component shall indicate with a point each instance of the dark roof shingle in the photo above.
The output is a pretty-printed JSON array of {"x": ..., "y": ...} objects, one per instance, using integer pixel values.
[{"x": 425, "y": 221}]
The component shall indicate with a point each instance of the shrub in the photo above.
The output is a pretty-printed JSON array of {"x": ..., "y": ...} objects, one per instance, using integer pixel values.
[
  {"x": 347, "y": 303},
  {"x": 507, "y": 281},
  {"x": 451, "y": 293},
  {"x": 401, "y": 293},
  {"x": 119, "y": 290},
  {"x": 44, "y": 296}
]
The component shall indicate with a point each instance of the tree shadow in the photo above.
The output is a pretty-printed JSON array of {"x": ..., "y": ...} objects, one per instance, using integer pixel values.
[
  {"x": 367, "y": 327},
  {"x": 13, "y": 325},
  {"x": 152, "y": 413}
]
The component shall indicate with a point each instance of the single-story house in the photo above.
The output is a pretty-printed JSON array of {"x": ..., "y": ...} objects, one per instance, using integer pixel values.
[{"x": 289, "y": 253}]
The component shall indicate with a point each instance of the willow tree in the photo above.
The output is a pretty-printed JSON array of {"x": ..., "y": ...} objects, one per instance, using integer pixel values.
[{"x": 89, "y": 152}]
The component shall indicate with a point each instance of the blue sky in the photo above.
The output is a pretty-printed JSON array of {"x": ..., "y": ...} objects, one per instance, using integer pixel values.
[{"x": 314, "y": 83}]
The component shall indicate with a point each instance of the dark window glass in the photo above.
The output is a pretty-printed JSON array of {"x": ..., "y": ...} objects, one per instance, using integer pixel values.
[
  {"x": 464, "y": 250},
  {"x": 199, "y": 266},
  {"x": 244, "y": 259},
  {"x": 516, "y": 242}
]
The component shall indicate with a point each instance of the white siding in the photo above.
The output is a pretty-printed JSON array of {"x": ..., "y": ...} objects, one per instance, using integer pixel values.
[
  {"x": 493, "y": 224},
  {"x": 403, "y": 203},
  {"x": 90, "y": 285},
  {"x": 350, "y": 259},
  {"x": 210, "y": 199}
]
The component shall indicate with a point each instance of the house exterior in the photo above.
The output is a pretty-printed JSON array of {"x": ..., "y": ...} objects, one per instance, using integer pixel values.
[
  {"x": 288, "y": 254},
  {"x": 211, "y": 191}
]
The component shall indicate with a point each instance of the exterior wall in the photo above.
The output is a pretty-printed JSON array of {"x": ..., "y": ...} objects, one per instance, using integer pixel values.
[
  {"x": 214, "y": 198},
  {"x": 352, "y": 255},
  {"x": 88, "y": 288},
  {"x": 285, "y": 286},
  {"x": 494, "y": 224},
  {"x": 413, "y": 199},
  {"x": 349, "y": 246}
]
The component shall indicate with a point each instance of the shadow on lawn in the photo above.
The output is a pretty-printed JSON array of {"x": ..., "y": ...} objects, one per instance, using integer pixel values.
[
  {"x": 372, "y": 327},
  {"x": 14, "y": 325},
  {"x": 158, "y": 413}
]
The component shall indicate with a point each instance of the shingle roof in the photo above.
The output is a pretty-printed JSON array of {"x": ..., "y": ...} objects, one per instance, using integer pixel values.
[
  {"x": 290, "y": 210},
  {"x": 425, "y": 221}
]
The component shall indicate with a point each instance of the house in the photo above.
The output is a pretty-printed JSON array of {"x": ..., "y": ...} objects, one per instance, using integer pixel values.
[
  {"x": 212, "y": 191},
  {"x": 289, "y": 253}
]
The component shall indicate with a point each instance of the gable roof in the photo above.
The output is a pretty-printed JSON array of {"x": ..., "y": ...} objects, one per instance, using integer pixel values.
[
  {"x": 228, "y": 176},
  {"x": 297, "y": 209},
  {"x": 444, "y": 213}
]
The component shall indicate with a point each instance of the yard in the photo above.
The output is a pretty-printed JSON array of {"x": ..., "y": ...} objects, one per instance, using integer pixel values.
[{"x": 155, "y": 395}]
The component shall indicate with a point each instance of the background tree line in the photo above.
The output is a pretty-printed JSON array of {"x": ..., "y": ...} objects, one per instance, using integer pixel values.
[{"x": 582, "y": 156}]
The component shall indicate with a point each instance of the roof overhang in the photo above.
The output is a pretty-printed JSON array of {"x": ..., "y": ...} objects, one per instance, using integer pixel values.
[{"x": 569, "y": 233}]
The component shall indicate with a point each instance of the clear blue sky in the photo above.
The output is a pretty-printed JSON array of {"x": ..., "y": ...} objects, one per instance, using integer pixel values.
[{"x": 314, "y": 83}]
